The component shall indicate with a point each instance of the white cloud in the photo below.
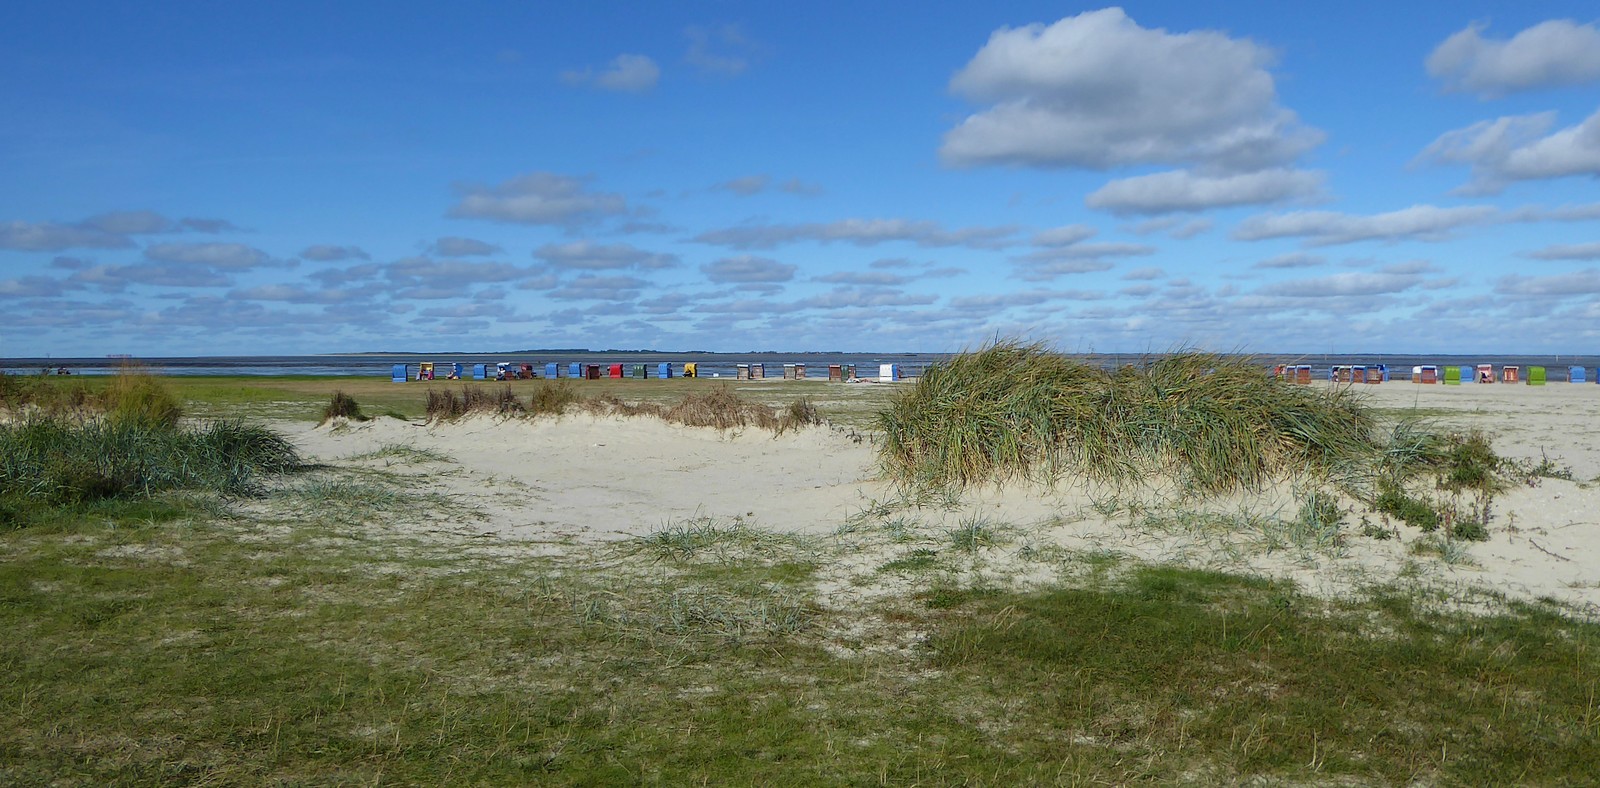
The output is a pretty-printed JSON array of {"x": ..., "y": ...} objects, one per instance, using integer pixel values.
[
  {"x": 53, "y": 237},
  {"x": 1585, "y": 282},
  {"x": 878, "y": 278},
  {"x": 1552, "y": 53},
  {"x": 1182, "y": 190},
  {"x": 130, "y": 223},
  {"x": 537, "y": 198},
  {"x": 1292, "y": 260},
  {"x": 233, "y": 257},
  {"x": 1098, "y": 91},
  {"x": 600, "y": 288},
  {"x": 720, "y": 49},
  {"x": 1588, "y": 251},
  {"x": 326, "y": 253},
  {"x": 1327, "y": 228},
  {"x": 861, "y": 232},
  {"x": 1065, "y": 235},
  {"x": 626, "y": 74},
  {"x": 1516, "y": 148},
  {"x": 748, "y": 268},
  {"x": 1346, "y": 284},
  {"x": 593, "y": 256},
  {"x": 746, "y": 186},
  {"x": 455, "y": 246},
  {"x": 455, "y": 274}
]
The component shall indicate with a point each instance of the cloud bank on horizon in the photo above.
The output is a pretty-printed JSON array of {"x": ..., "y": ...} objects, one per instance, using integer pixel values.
[{"x": 299, "y": 179}]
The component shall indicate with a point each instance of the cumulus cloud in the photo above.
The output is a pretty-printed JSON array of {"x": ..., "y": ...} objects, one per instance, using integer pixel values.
[
  {"x": 326, "y": 253},
  {"x": 1174, "y": 226},
  {"x": 861, "y": 232},
  {"x": 1182, "y": 190},
  {"x": 593, "y": 256},
  {"x": 1098, "y": 91},
  {"x": 843, "y": 298},
  {"x": 748, "y": 268},
  {"x": 625, "y": 73},
  {"x": 747, "y": 185},
  {"x": 600, "y": 288},
  {"x": 453, "y": 274},
  {"x": 53, "y": 237},
  {"x": 537, "y": 198},
  {"x": 720, "y": 49},
  {"x": 1516, "y": 148},
  {"x": 1552, "y": 53},
  {"x": 118, "y": 277},
  {"x": 1588, "y": 251},
  {"x": 1328, "y": 228},
  {"x": 1346, "y": 284},
  {"x": 295, "y": 294},
  {"x": 210, "y": 226},
  {"x": 1292, "y": 260},
  {"x": 1064, "y": 235},
  {"x": 225, "y": 256},
  {"x": 877, "y": 278},
  {"x": 455, "y": 246},
  {"x": 34, "y": 287},
  {"x": 130, "y": 223},
  {"x": 1585, "y": 283},
  {"x": 1146, "y": 273}
]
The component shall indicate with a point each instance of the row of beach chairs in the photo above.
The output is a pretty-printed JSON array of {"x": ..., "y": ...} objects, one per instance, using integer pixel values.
[
  {"x": 1485, "y": 373},
  {"x": 427, "y": 370}
]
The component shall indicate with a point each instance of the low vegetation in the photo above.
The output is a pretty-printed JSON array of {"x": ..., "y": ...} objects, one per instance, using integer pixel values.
[
  {"x": 717, "y": 407},
  {"x": 1216, "y": 424},
  {"x": 342, "y": 406},
  {"x": 124, "y": 444}
]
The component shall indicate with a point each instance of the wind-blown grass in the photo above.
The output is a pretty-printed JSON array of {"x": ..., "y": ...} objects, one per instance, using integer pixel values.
[
  {"x": 53, "y": 462},
  {"x": 1215, "y": 424},
  {"x": 718, "y": 407}
]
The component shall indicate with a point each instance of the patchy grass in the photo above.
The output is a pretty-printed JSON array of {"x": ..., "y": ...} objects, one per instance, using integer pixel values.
[{"x": 267, "y": 647}]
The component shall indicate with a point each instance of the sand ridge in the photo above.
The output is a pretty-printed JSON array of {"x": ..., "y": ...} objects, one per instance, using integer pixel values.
[{"x": 592, "y": 479}]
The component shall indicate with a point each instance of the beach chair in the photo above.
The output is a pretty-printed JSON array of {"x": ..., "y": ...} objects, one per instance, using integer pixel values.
[
  {"x": 691, "y": 370},
  {"x": 525, "y": 372},
  {"x": 1485, "y": 373},
  {"x": 552, "y": 370},
  {"x": 1575, "y": 375},
  {"x": 1536, "y": 376},
  {"x": 591, "y": 372},
  {"x": 758, "y": 371},
  {"x": 425, "y": 371},
  {"x": 615, "y": 371},
  {"x": 575, "y": 370},
  {"x": 799, "y": 372},
  {"x": 664, "y": 370},
  {"x": 1429, "y": 374},
  {"x": 835, "y": 373},
  {"x": 1302, "y": 374},
  {"x": 1510, "y": 374},
  {"x": 641, "y": 371},
  {"x": 743, "y": 372},
  {"x": 397, "y": 374},
  {"x": 480, "y": 371},
  {"x": 888, "y": 373},
  {"x": 1452, "y": 376},
  {"x": 455, "y": 372},
  {"x": 1377, "y": 373}
]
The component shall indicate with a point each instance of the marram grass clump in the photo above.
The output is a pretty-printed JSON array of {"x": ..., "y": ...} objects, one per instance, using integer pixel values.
[{"x": 1214, "y": 424}]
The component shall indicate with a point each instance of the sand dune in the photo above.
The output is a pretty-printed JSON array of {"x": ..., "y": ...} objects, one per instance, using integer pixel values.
[{"x": 581, "y": 478}]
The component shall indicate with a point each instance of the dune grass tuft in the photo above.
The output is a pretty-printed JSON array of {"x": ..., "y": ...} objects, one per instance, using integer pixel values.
[
  {"x": 342, "y": 406},
  {"x": 51, "y": 462},
  {"x": 1216, "y": 424},
  {"x": 718, "y": 407}
]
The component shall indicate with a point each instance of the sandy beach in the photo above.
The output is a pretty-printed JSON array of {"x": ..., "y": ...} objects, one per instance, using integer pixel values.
[{"x": 538, "y": 484}]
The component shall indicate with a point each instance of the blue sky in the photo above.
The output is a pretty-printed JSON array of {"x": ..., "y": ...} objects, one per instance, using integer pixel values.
[{"x": 204, "y": 178}]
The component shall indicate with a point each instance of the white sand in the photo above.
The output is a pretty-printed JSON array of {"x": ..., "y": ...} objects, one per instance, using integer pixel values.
[{"x": 587, "y": 479}]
